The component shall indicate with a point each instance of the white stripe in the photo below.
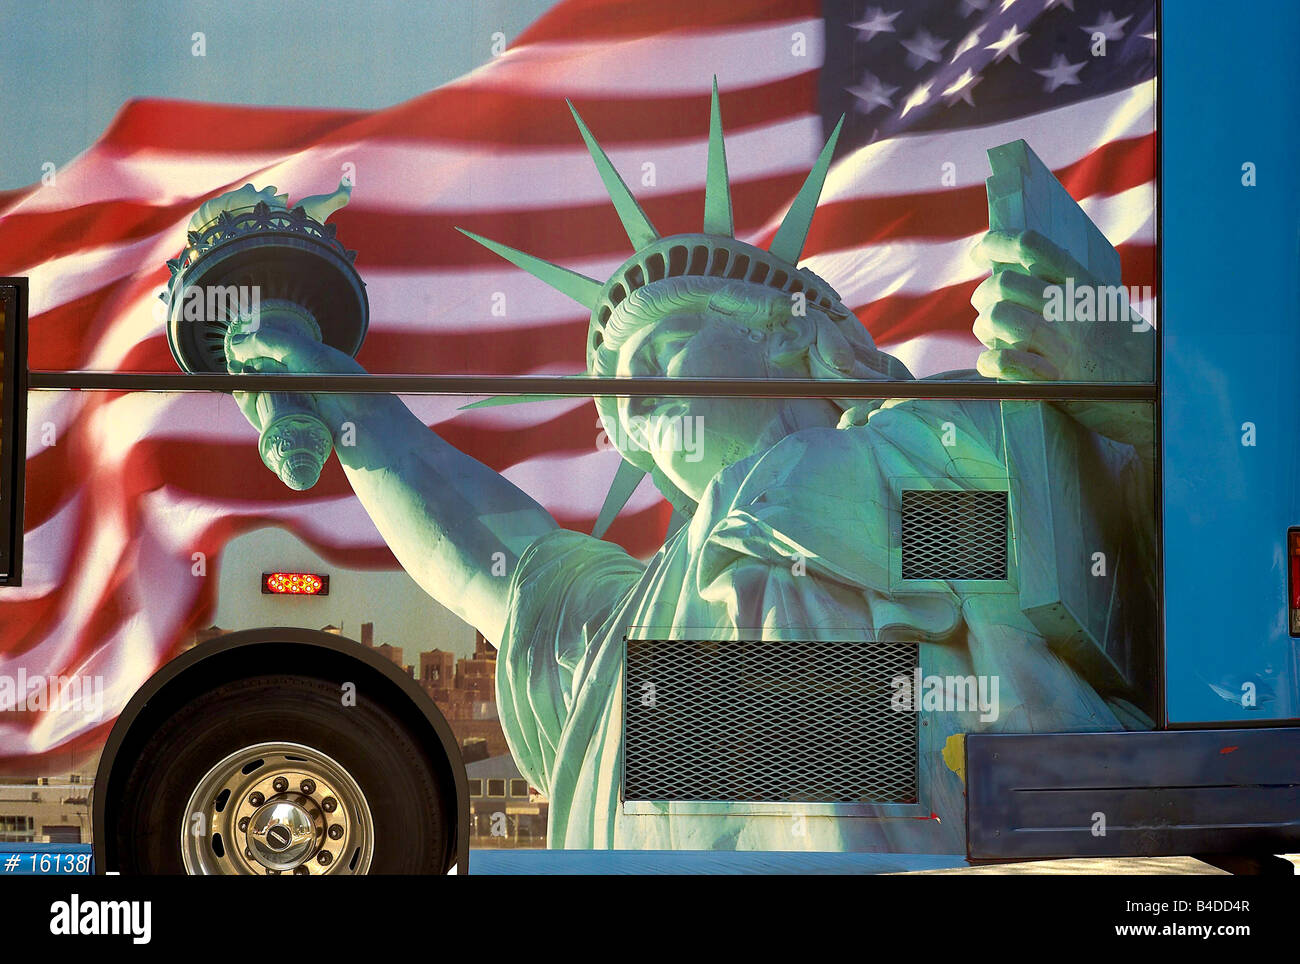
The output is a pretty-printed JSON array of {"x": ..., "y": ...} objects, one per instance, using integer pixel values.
[
  {"x": 60, "y": 280},
  {"x": 46, "y": 552},
  {"x": 869, "y": 273},
  {"x": 118, "y": 424},
  {"x": 912, "y": 163},
  {"x": 575, "y": 485},
  {"x": 148, "y": 176},
  {"x": 674, "y": 62},
  {"x": 933, "y": 354},
  {"x": 421, "y": 178},
  {"x": 430, "y": 302}
]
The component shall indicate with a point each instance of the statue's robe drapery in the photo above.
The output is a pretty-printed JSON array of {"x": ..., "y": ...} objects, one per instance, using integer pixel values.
[{"x": 821, "y": 499}]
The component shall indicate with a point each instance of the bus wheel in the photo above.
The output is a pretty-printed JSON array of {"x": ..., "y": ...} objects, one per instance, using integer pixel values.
[{"x": 276, "y": 775}]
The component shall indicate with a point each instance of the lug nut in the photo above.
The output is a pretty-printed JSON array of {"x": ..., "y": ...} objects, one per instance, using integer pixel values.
[
  {"x": 272, "y": 872},
  {"x": 243, "y": 825},
  {"x": 301, "y": 871},
  {"x": 336, "y": 831},
  {"x": 280, "y": 784},
  {"x": 256, "y": 799},
  {"x": 308, "y": 787},
  {"x": 329, "y": 804},
  {"x": 324, "y": 857},
  {"x": 248, "y": 853}
]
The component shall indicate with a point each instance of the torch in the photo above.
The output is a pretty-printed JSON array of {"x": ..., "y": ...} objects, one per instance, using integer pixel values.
[{"x": 252, "y": 261}]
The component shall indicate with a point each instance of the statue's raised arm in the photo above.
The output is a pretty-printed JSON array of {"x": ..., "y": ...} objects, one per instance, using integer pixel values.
[{"x": 455, "y": 525}]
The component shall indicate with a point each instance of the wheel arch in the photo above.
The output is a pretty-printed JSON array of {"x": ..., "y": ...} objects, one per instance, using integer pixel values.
[{"x": 277, "y": 649}]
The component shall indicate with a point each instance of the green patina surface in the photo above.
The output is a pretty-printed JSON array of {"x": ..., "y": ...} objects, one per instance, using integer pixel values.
[{"x": 774, "y": 482}]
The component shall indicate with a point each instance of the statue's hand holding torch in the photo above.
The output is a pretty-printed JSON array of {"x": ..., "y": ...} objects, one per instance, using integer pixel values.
[
  {"x": 264, "y": 288},
  {"x": 295, "y": 442}
]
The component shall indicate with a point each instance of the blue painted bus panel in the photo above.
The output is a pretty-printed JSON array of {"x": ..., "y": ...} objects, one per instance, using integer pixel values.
[{"x": 1231, "y": 345}]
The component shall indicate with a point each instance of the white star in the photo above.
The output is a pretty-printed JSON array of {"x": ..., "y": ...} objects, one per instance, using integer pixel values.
[
  {"x": 1110, "y": 27},
  {"x": 970, "y": 43},
  {"x": 1006, "y": 5},
  {"x": 917, "y": 98},
  {"x": 1062, "y": 73},
  {"x": 961, "y": 87},
  {"x": 923, "y": 47},
  {"x": 1008, "y": 45},
  {"x": 875, "y": 21},
  {"x": 873, "y": 93}
]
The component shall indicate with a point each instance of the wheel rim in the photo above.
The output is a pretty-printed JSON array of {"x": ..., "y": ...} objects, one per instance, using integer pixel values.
[{"x": 277, "y": 808}]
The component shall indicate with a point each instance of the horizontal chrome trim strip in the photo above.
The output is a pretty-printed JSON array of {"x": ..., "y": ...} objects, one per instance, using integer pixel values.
[{"x": 561, "y": 387}]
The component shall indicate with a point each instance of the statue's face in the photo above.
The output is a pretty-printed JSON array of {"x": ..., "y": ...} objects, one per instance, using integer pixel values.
[{"x": 692, "y": 439}]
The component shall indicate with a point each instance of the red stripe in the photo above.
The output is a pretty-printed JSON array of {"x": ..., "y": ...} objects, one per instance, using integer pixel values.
[
  {"x": 232, "y": 472},
  {"x": 63, "y": 337},
  {"x": 202, "y": 128},
  {"x": 948, "y": 310},
  {"x": 615, "y": 19},
  {"x": 563, "y": 234},
  {"x": 512, "y": 351},
  {"x": 961, "y": 212},
  {"x": 55, "y": 337},
  {"x": 396, "y": 240},
  {"x": 421, "y": 241},
  {"x": 58, "y": 233},
  {"x": 51, "y": 479},
  {"x": 10, "y": 198},
  {"x": 530, "y": 347},
  {"x": 461, "y": 113}
]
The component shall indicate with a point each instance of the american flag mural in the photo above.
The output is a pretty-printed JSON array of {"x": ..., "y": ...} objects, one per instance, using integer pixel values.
[{"x": 125, "y": 495}]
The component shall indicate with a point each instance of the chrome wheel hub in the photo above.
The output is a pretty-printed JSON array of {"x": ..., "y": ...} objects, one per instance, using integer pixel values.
[
  {"x": 277, "y": 808},
  {"x": 285, "y": 832}
]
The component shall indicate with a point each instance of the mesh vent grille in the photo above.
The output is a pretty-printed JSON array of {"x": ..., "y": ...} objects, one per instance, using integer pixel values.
[
  {"x": 807, "y": 722},
  {"x": 953, "y": 534}
]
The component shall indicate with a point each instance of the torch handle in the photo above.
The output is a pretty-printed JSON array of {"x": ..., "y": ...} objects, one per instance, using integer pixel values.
[{"x": 295, "y": 442}]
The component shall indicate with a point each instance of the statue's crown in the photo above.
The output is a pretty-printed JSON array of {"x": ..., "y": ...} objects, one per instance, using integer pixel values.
[{"x": 715, "y": 252}]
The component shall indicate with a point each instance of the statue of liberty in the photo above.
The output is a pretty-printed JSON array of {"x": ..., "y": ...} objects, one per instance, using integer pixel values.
[{"x": 786, "y": 507}]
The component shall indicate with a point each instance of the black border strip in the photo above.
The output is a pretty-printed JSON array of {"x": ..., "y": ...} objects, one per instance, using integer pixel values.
[
  {"x": 586, "y": 387},
  {"x": 13, "y": 428},
  {"x": 1158, "y": 480}
]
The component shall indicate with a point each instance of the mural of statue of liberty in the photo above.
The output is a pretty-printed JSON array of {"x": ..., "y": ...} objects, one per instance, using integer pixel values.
[{"x": 788, "y": 507}]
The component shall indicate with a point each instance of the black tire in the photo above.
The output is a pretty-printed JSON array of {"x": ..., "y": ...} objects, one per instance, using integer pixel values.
[{"x": 412, "y": 814}]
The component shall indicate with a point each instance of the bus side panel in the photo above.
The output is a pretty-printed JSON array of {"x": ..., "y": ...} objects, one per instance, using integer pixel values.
[{"x": 1231, "y": 346}]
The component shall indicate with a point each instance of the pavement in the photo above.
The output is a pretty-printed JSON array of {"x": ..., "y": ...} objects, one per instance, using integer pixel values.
[{"x": 1108, "y": 866}]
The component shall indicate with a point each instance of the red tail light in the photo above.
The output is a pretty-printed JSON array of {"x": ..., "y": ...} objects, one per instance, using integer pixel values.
[
  {"x": 1293, "y": 579},
  {"x": 295, "y": 583}
]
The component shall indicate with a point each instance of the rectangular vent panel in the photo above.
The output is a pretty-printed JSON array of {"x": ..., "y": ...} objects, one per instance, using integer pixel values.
[
  {"x": 954, "y": 534},
  {"x": 767, "y": 721}
]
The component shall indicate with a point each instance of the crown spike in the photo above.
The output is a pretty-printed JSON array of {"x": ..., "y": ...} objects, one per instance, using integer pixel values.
[
  {"x": 793, "y": 232},
  {"x": 585, "y": 291},
  {"x": 626, "y": 479},
  {"x": 638, "y": 227},
  {"x": 717, "y": 186}
]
